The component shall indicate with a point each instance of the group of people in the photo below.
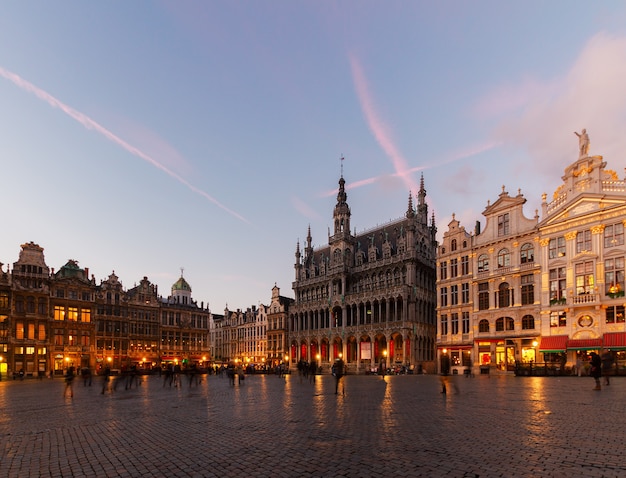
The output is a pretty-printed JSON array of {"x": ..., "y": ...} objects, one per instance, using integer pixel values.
[{"x": 307, "y": 370}]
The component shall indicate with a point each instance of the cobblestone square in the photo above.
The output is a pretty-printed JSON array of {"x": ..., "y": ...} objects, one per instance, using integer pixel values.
[{"x": 486, "y": 426}]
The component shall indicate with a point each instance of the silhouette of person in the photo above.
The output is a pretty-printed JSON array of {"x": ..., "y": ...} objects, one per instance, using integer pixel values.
[{"x": 339, "y": 372}]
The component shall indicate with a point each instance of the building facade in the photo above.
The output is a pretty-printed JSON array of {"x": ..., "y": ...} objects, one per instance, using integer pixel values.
[
  {"x": 52, "y": 320},
  {"x": 369, "y": 297},
  {"x": 535, "y": 291}
]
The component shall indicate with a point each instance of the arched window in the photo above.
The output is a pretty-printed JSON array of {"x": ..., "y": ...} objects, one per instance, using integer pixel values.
[
  {"x": 500, "y": 324},
  {"x": 528, "y": 322},
  {"x": 453, "y": 245},
  {"x": 510, "y": 323},
  {"x": 483, "y": 263},
  {"x": 504, "y": 295},
  {"x": 527, "y": 253},
  {"x": 483, "y": 325},
  {"x": 504, "y": 258}
]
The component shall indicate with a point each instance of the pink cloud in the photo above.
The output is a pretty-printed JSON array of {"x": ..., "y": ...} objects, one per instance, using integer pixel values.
[
  {"x": 379, "y": 129},
  {"x": 89, "y": 123}
]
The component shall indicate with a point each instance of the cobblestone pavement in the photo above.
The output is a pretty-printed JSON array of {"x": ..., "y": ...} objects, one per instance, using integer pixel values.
[{"x": 486, "y": 426}]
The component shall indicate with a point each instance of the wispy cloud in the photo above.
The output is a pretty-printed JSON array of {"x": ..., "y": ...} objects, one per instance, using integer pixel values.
[
  {"x": 89, "y": 123},
  {"x": 378, "y": 127},
  {"x": 468, "y": 152},
  {"x": 304, "y": 209},
  {"x": 589, "y": 95}
]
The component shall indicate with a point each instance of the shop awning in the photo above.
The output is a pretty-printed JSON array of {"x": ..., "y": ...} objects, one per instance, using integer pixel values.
[
  {"x": 455, "y": 347},
  {"x": 553, "y": 343},
  {"x": 615, "y": 340},
  {"x": 584, "y": 344}
]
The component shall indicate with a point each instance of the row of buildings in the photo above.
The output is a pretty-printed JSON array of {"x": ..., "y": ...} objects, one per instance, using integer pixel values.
[
  {"x": 519, "y": 290},
  {"x": 546, "y": 289},
  {"x": 368, "y": 297}
]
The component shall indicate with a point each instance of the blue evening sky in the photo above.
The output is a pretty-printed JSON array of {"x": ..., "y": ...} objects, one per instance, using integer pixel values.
[{"x": 145, "y": 137}]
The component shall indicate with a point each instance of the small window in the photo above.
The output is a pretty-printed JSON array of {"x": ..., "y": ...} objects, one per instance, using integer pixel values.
[{"x": 483, "y": 325}]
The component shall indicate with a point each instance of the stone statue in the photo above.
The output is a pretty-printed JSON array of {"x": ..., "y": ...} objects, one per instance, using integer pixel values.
[{"x": 583, "y": 143}]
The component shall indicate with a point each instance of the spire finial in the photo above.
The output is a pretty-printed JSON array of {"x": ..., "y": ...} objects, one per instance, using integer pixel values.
[{"x": 341, "y": 159}]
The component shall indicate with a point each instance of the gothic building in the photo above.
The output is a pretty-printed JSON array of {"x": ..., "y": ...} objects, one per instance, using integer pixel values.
[{"x": 368, "y": 297}]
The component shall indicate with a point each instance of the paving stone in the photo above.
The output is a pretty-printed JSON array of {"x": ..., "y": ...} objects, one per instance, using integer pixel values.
[{"x": 401, "y": 426}]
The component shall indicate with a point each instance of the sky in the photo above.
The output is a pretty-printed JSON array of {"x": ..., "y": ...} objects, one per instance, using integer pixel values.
[{"x": 204, "y": 138}]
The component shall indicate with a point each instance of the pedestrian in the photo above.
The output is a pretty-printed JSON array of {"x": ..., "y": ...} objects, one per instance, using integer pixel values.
[
  {"x": 86, "y": 374},
  {"x": 69, "y": 381},
  {"x": 106, "y": 376},
  {"x": 339, "y": 371},
  {"x": 607, "y": 366},
  {"x": 596, "y": 369},
  {"x": 579, "y": 365}
]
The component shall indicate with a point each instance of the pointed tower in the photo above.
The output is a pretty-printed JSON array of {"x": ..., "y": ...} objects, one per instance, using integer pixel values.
[
  {"x": 422, "y": 207},
  {"x": 341, "y": 214}
]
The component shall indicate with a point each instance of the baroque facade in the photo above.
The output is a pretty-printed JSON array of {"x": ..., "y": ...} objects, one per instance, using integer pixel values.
[
  {"x": 369, "y": 297},
  {"x": 51, "y": 320},
  {"x": 527, "y": 291}
]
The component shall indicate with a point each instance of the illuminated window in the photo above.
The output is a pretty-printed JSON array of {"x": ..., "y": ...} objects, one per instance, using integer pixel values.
[
  {"x": 42, "y": 332},
  {"x": 584, "y": 278},
  {"x": 85, "y": 315},
  {"x": 19, "y": 330},
  {"x": 614, "y": 277},
  {"x": 4, "y": 300},
  {"x": 558, "y": 318},
  {"x": 31, "y": 331},
  {"x": 59, "y": 312},
  {"x": 72, "y": 314}
]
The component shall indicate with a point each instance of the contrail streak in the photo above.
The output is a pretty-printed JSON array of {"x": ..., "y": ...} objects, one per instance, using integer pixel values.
[
  {"x": 88, "y": 123},
  {"x": 378, "y": 128}
]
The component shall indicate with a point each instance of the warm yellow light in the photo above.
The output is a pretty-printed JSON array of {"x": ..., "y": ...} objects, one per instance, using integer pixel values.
[
  {"x": 340, "y": 355},
  {"x": 109, "y": 359},
  {"x": 1, "y": 358},
  {"x": 143, "y": 359},
  {"x": 203, "y": 358},
  {"x": 535, "y": 343},
  {"x": 67, "y": 359},
  {"x": 445, "y": 351},
  {"x": 318, "y": 356},
  {"x": 385, "y": 353}
]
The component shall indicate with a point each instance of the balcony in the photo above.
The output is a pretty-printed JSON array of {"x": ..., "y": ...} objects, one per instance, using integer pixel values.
[{"x": 585, "y": 299}]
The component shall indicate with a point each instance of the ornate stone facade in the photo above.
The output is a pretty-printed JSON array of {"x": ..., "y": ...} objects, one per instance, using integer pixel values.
[
  {"x": 527, "y": 291},
  {"x": 367, "y": 297}
]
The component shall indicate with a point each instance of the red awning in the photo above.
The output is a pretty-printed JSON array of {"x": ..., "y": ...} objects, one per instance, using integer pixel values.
[
  {"x": 553, "y": 343},
  {"x": 584, "y": 344},
  {"x": 615, "y": 340}
]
